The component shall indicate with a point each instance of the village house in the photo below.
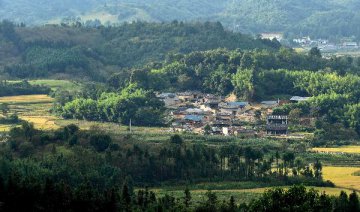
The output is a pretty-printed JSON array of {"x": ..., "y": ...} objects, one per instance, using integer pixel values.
[
  {"x": 296, "y": 99},
  {"x": 180, "y": 113},
  {"x": 189, "y": 96},
  {"x": 350, "y": 45},
  {"x": 170, "y": 99},
  {"x": 273, "y": 35},
  {"x": 245, "y": 132},
  {"x": 194, "y": 119},
  {"x": 233, "y": 107},
  {"x": 270, "y": 104},
  {"x": 216, "y": 131},
  {"x": 277, "y": 125}
]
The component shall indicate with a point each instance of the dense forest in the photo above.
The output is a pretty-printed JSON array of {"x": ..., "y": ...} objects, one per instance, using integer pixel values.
[
  {"x": 95, "y": 53},
  {"x": 332, "y": 19}
]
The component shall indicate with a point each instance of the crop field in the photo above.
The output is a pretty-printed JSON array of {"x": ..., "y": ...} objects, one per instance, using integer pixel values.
[
  {"x": 343, "y": 177},
  {"x": 4, "y": 128},
  {"x": 26, "y": 99},
  {"x": 343, "y": 149}
]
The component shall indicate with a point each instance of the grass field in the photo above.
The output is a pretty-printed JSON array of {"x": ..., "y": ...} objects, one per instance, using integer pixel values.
[
  {"x": 36, "y": 109},
  {"x": 343, "y": 149},
  {"x": 55, "y": 84},
  {"x": 343, "y": 177}
]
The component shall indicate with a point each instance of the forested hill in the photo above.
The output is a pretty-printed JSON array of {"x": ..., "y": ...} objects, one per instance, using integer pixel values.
[
  {"x": 27, "y": 52},
  {"x": 318, "y": 18}
]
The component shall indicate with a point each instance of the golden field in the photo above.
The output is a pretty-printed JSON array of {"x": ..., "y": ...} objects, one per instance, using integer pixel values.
[
  {"x": 343, "y": 149},
  {"x": 343, "y": 177},
  {"x": 42, "y": 122},
  {"x": 26, "y": 99}
]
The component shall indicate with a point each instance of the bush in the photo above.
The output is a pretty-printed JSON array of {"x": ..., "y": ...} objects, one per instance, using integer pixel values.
[
  {"x": 26, "y": 149},
  {"x": 100, "y": 142}
]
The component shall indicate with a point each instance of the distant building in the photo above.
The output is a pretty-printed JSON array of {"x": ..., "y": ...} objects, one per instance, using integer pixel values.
[
  {"x": 277, "y": 125},
  {"x": 302, "y": 41},
  {"x": 269, "y": 104},
  {"x": 299, "y": 99},
  {"x": 350, "y": 45},
  {"x": 273, "y": 35},
  {"x": 233, "y": 107},
  {"x": 189, "y": 96},
  {"x": 193, "y": 118},
  {"x": 170, "y": 99}
]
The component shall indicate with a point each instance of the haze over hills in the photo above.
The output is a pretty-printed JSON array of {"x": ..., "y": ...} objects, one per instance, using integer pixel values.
[{"x": 317, "y": 18}]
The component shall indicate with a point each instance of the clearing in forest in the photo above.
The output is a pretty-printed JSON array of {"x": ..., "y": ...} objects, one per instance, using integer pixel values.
[{"x": 241, "y": 195}]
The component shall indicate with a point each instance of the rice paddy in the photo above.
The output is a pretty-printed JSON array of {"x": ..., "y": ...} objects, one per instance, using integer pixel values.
[
  {"x": 342, "y": 149},
  {"x": 26, "y": 99},
  {"x": 343, "y": 177}
]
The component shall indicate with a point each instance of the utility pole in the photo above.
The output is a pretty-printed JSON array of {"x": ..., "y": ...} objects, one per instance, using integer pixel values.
[{"x": 130, "y": 126}]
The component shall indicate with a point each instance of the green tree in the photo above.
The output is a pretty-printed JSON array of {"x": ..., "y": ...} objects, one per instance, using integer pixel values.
[
  {"x": 100, "y": 142},
  {"x": 176, "y": 139},
  {"x": 315, "y": 52},
  {"x": 354, "y": 202},
  {"x": 187, "y": 198},
  {"x": 4, "y": 108}
]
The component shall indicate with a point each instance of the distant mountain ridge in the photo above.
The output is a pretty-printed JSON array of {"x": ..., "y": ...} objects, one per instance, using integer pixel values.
[{"x": 317, "y": 18}]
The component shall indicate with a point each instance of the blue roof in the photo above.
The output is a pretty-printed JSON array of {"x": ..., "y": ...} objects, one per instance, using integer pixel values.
[
  {"x": 238, "y": 104},
  {"x": 269, "y": 102},
  {"x": 194, "y": 118}
]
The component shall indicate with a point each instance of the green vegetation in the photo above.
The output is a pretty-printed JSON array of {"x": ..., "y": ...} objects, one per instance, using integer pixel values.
[
  {"x": 223, "y": 72},
  {"x": 66, "y": 161},
  {"x": 52, "y": 164},
  {"x": 21, "y": 88},
  {"x": 132, "y": 105},
  {"x": 95, "y": 53},
  {"x": 322, "y": 19}
]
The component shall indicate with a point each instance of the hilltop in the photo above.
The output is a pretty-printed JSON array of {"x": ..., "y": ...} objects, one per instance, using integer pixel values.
[
  {"x": 30, "y": 52},
  {"x": 325, "y": 19}
]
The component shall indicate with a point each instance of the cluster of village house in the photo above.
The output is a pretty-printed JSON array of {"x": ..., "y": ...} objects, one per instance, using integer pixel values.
[
  {"x": 322, "y": 44},
  {"x": 326, "y": 45},
  {"x": 211, "y": 114}
]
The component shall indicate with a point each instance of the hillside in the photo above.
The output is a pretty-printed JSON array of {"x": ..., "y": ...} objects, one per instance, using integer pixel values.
[
  {"x": 97, "y": 52},
  {"x": 326, "y": 19}
]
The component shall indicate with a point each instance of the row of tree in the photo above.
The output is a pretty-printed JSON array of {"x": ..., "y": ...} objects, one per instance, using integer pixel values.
[{"x": 21, "y": 88}]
